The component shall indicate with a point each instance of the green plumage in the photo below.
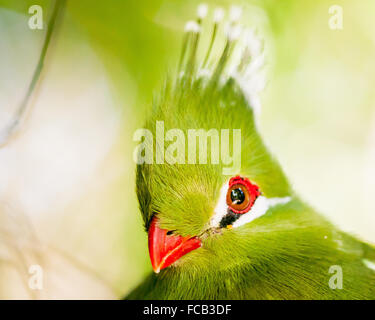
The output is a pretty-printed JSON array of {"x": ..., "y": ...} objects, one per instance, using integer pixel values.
[{"x": 284, "y": 254}]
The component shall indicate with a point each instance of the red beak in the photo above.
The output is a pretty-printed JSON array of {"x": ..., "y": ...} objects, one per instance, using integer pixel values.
[{"x": 165, "y": 249}]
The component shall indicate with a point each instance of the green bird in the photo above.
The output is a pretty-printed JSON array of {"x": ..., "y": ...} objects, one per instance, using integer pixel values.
[{"x": 223, "y": 221}]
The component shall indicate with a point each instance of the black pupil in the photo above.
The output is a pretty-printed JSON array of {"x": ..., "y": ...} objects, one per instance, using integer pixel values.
[{"x": 237, "y": 196}]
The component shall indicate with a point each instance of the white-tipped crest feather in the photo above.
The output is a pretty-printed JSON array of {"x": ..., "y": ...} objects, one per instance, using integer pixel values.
[
  {"x": 218, "y": 15},
  {"x": 202, "y": 11},
  {"x": 192, "y": 26},
  {"x": 235, "y": 13},
  {"x": 246, "y": 69}
]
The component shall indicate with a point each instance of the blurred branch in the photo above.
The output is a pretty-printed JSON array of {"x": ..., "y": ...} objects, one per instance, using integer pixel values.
[{"x": 7, "y": 133}]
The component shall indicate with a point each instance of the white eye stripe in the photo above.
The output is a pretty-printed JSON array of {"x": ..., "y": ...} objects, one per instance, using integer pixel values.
[{"x": 260, "y": 207}]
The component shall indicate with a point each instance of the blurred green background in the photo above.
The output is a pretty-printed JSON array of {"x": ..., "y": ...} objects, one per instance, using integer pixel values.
[{"x": 70, "y": 175}]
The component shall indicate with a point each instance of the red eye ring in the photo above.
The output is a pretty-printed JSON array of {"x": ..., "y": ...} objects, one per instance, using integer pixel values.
[{"x": 249, "y": 191}]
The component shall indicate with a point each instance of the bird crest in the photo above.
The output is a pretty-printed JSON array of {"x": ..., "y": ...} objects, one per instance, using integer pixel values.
[{"x": 232, "y": 52}]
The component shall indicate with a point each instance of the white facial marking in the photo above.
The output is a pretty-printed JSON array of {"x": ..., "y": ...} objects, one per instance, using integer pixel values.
[
  {"x": 260, "y": 207},
  {"x": 221, "y": 207}
]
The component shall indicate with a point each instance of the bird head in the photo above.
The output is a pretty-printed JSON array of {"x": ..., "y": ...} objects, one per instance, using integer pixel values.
[{"x": 206, "y": 184}]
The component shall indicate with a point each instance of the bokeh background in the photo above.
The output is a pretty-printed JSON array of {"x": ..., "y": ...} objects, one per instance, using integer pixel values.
[{"x": 67, "y": 191}]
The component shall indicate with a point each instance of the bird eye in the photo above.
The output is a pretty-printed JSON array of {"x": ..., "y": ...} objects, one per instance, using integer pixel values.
[
  {"x": 241, "y": 194},
  {"x": 237, "y": 196}
]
